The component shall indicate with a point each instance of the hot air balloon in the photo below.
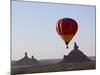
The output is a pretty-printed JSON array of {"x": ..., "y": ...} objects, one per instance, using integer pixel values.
[{"x": 66, "y": 28}]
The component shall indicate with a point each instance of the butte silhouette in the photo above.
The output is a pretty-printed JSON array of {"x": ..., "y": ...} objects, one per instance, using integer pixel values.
[
  {"x": 27, "y": 61},
  {"x": 75, "y": 56}
]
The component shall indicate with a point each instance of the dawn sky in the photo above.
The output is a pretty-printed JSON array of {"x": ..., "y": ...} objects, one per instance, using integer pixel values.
[{"x": 34, "y": 29}]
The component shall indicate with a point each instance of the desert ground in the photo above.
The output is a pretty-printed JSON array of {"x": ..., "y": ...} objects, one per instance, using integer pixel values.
[{"x": 54, "y": 67}]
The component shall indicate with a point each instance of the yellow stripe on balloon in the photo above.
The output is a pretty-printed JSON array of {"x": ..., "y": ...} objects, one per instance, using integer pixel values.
[{"x": 67, "y": 37}]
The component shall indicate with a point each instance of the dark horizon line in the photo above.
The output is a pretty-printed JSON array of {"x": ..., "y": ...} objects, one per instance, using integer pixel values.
[{"x": 55, "y": 58}]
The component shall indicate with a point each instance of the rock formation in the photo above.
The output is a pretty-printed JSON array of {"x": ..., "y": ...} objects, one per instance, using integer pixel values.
[
  {"x": 27, "y": 61},
  {"x": 75, "y": 56}
]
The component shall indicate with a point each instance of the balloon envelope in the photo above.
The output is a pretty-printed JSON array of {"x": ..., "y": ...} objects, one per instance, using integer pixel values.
[{"x": 66, "y": 28}]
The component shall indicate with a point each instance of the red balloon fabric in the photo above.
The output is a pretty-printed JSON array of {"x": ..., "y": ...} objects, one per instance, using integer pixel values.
[{"x": 66, "y": 28}]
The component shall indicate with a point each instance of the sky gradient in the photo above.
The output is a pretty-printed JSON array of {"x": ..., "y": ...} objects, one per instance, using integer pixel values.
[{"x": 34, "y": 29}]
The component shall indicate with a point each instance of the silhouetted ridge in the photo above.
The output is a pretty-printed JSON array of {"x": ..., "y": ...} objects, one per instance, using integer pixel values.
[
  {"x": 75, "y": 56},
  {"x": 27, "y": 61}
]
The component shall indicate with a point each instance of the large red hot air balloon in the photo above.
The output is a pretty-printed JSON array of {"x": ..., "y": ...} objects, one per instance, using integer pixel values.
[{"x": 66, "y": 28}]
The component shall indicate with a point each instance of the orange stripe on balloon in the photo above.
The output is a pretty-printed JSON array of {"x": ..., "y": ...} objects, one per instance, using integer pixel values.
[
  {"x": 57, "y": 28},
  {"x": 61, "y": 27}
]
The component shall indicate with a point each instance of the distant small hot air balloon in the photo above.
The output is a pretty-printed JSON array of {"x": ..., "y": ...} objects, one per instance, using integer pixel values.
[{"x": 66, "y": 28}]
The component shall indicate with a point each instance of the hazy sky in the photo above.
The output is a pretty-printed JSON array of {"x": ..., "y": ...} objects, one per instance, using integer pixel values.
[{"x": 34, "y": 29}]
